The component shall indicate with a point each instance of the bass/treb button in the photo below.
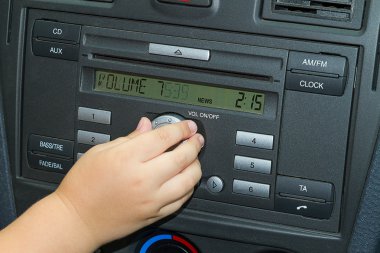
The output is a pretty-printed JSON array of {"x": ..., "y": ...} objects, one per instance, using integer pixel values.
[{"x": 37, "y": 143}]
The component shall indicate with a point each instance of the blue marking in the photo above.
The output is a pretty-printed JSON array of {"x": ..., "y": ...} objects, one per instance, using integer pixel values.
[{"x": 153, "y": 240}]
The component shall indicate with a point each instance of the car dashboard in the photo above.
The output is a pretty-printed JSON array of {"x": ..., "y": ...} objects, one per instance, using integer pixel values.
[{"x": 285, "y": 92}]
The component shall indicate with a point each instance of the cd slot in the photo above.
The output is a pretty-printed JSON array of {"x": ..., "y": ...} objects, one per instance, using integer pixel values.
[
  {"x": 113, "y": 59},
  {"x": 248, "y": 61}
]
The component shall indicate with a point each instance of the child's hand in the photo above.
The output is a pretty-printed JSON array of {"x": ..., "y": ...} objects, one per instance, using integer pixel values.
[{"x": 121, "y": 186}]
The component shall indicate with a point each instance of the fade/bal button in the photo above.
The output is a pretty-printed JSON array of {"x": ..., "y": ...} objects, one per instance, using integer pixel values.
[{"x": 48, "y": 163}]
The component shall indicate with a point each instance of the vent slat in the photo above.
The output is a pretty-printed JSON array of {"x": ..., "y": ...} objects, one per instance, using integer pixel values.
[{"x": 330, "y": 9}]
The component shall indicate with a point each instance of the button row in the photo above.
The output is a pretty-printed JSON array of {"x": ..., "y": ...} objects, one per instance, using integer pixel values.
[
  {"x": 257, "y": 165},
  {"x": 56, "y": 40},
  {"x": 50, "y": 154},
  {"x": 94, "y": 116},
  {"x": 304, "y": 197},
  {"x": 316, "y": 73},
  {"x": 293, "y": 195},
  {"x": 215, "y": 185}
]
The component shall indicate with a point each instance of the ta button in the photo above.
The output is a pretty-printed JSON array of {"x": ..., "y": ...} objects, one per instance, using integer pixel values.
[{"x": 215, "y": 184}]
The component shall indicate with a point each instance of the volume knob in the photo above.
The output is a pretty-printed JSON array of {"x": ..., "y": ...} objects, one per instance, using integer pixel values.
[{"x": 166, "y": 119}]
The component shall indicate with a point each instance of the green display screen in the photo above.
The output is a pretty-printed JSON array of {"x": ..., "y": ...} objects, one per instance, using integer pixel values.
[{"x": 180, "y": 92}]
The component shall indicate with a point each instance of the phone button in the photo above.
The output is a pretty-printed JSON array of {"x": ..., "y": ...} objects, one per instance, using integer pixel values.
[{"x": 319, "y": 210}]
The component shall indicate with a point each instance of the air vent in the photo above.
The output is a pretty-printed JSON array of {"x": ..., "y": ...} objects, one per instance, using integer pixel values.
[
  {"x": 337, "y": 13},
  {"x": 336, "y": 10}
]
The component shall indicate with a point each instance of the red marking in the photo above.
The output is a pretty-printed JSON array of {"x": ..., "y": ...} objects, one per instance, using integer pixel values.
[{"x": 186, "y": 243}]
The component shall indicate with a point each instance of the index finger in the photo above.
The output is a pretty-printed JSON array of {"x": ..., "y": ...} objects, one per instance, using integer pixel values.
[{"x": 154, "y": 143}]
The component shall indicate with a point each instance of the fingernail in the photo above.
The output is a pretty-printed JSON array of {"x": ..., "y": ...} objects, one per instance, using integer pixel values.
[
  {"x": 201, "y": 140},
  {"x": 193, "y": 127},
  {"x": 139, "y": 126}
]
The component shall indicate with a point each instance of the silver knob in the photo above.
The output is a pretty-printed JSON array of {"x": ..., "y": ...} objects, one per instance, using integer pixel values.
[{"x": 166, "y": 119}]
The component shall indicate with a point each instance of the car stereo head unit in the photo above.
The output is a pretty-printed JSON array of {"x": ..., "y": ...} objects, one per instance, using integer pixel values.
[{"x": 275, "y": 115}]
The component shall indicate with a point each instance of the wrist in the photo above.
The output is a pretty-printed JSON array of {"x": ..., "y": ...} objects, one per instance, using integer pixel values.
[
  {"x": 50, "y": 225},
  {"x": 77, "y": 230}
]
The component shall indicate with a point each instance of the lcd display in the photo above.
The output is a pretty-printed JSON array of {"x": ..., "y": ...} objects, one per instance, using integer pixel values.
[{"x": 180, "y": 92}]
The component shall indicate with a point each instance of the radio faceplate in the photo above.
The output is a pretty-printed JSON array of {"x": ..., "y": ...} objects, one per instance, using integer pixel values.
[{"x": 245, "y": 154}]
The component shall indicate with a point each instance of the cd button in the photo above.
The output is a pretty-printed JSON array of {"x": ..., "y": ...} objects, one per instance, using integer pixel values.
[{"x": 56, "y": 30}]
